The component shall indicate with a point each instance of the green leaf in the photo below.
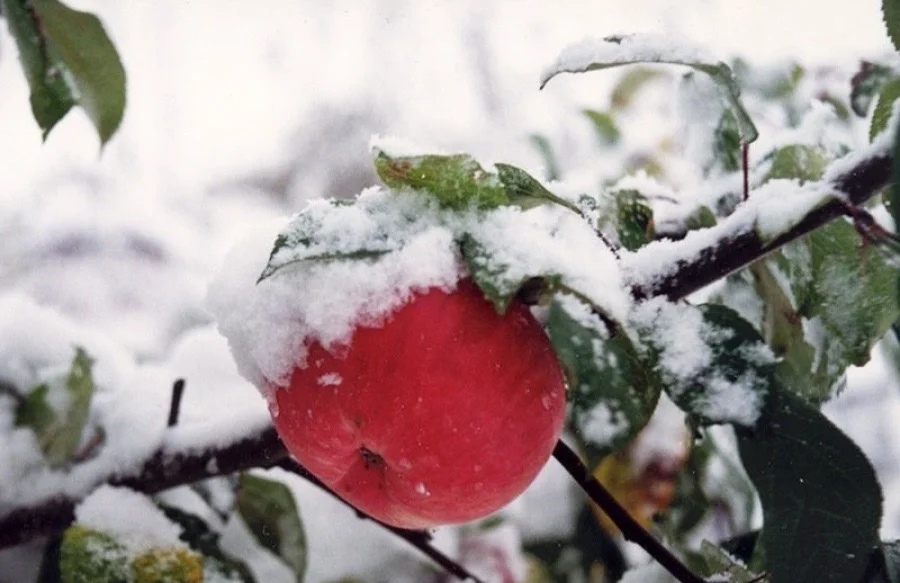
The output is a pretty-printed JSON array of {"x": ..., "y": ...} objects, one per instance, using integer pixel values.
[
  {"x": 890, "y": 13},
  {"x": 270, "y": 512},
  {"x": 821, "y": 499},
  {"x": 490, "y": 275},
  {"x": 456, "y": 182},
  {"x": 525, "y": 191},
  {"x": 630, "y": 84},
  {"x": 727, "y": 143},
  {"x": 630, "y": 49},
  {"x": 726, "y": 374},
  {"x": 172, "y": 565},
  {"x": 612, "y": 390},
  {"x": 884, "y": 107},
  {"x": 634, "y": 219},
  {"x": 716, "y": 562},
  {"x": 89, "y": 556},
  {"x": 849, "y": 296},
  {"x": 607, "y": 131},
  {"x": 797, "y": 161},
  {"x": 60, "y": 432},
  {"x": 866, "y": 84},
  {"x": 551, "y": 166},
  {"x": 68, "y": 60},
  {"x": 197, "y": 534}
]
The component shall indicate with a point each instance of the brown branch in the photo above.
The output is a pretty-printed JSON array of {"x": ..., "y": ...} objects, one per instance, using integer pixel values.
[
  {"x": 742, "y": 247},
  {"x": 630, "y": 528}
]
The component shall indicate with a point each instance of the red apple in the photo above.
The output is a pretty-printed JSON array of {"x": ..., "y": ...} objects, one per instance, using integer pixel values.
[{"x": 442, "y": 414}]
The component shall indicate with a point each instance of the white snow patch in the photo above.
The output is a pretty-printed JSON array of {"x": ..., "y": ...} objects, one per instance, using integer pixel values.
[
  {"x": 131, "y": 518},
  {"x": 601, "y": 425}
]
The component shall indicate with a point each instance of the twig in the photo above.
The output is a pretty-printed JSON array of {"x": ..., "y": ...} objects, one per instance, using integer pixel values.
[
  {"x": 745, "y": 167},
  {"x": 630, "y": 528},
  {"x": 175, "y": 405},
  {"x": 417, "y": 538}
]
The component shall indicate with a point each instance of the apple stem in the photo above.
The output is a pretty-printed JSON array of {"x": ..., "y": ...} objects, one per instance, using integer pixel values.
[
  {"x": 175, "y": 405},
  {"x": 630, "y": 528},
  {"x": 420, "y": 539}
]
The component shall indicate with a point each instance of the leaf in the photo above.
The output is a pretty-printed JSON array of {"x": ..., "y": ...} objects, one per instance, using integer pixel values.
[
  {"x": 727, "y": 143},
  {"x": 525, "y": 191},
  {"x": 607, "y": 131},
  {"x": 797, "y": 161},
  {"x": 68, "y": 60},
  {"x": 890, "y": 14},
  {"x": 197, "y": 534},
  {"x": 821, "y": 499},
  {"x": 865, "y": 86},
  {"x": 616, "y": 51},
  {"x": 551, "y": 166},
  {"x": 634, "y": 219},
  {"x": 630, "y": 84},
  {"x": 270, "y": 512},
  {"x": 490, "y": 276},
  {"x": 884, "y": 107},
  {"x": 611, "y": 390},
  {"x": 456, "y": 182},
  {"x": 89, "y": 556},
  {"x": 716, "y": 562},
  {"x": 172, "y": 565},
  {"x": 60, "y": 432},
  {"x": 712, "y": 363}
]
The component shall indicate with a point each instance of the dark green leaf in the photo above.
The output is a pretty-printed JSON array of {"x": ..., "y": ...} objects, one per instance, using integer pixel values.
[
  {"x": 890, "y": 13},
  {"x": 884, "y": 107},
  {"x": 197, "y": 534},
  {"x": 270, "y": 512},
  {"x": 634, "y": 219},
  {"x": 630, "y": 50},
  {"x": 701, "y": 218},
  {"x": 865, "y": 86},
  {"x": 612, "y": 391},
  {"x": 68, "y": 60},
  {"x": 34, "y": 412},
  {"x": 607, "y": 131},
  {"x": 456, "y": 182},
  {"x": 821, "y": 499},
  {"x": 727, "y": 143}
]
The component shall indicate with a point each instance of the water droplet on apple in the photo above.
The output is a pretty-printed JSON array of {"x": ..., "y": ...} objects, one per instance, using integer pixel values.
[
  {"x": 421, "y": 489},
  {"x": 404, "y": 464},
  {"x": 545, "y": 402}
]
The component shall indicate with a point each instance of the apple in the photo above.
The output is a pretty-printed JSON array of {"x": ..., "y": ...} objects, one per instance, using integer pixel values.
[{"x": 442, "y": 414}]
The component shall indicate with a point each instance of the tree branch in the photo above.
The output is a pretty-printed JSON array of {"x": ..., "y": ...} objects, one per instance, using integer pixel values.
[{"x": 692, "y": 269}]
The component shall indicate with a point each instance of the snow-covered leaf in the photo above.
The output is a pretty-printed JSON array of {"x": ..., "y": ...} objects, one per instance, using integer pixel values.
[
  {"x": 712, "y": 362},
  {"x": 493, "y": 278},
  {"x": 802, "y": 162},
  {"x": 630, "y": 84},
  {"x": 270, "y": 512},
  {"x": 634, "y": 219},
  {"x": 525, "y": 191},
  {"x": 821, "y": 499},
  {"x": 68, "y": 60},
  {"x": 455, "y": 182},
  {"x": 615, "y": 51},
  {"x": 90, "y": 555},
  {"x": 612, "y": 391}
]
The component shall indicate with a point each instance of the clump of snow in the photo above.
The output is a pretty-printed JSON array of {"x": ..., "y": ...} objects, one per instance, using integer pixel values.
[
  {"x": 131, "y": 518},
  {"x": 601, "y": 425},
  {"x": 397, "y": 147},
  {"x": 344, "y": 266},
  {"x": 270, "y": 323},
  {"x": 633, "y": 48}
]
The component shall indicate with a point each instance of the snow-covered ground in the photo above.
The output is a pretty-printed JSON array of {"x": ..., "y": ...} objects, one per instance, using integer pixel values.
[{"x": 239, "y": 112}]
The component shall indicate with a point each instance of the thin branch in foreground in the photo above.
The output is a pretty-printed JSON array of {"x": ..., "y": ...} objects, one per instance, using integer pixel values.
[
  {"x": 420, "y": 539},
  {"x": 175, "y": 405},
  {"x": 630, "y": 528}
]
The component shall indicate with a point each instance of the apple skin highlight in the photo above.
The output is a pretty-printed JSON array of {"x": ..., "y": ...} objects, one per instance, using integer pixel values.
[{"x": 442, "y": 414}]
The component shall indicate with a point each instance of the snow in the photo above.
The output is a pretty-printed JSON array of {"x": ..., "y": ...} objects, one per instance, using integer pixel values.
[
  {"x": 241, "y": 118},
  {"x": 630, "y": 48},
  {"x": 130, "y": 517}
]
